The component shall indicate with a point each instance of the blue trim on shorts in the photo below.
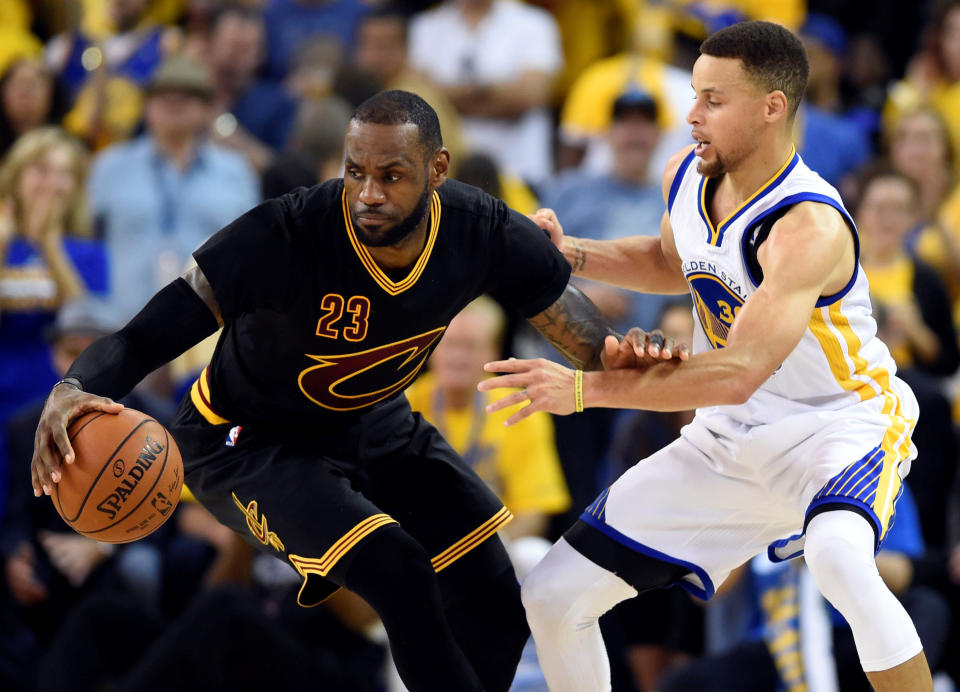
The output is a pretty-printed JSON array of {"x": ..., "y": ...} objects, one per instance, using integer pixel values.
[
  {"x": 705, "y": 594},
  {"x": 829, "y": 500}
]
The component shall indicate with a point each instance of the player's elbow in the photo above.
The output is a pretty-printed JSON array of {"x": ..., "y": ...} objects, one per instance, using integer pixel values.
[{"x": 744, "y": 383}]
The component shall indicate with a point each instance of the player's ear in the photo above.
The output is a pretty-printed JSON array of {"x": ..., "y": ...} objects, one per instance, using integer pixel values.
[
  {"x": 777, "y": 105},
  {"x": 439, "y": 167}
]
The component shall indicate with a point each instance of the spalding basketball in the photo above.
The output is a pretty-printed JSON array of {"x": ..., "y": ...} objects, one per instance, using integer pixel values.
[{"x": 125, "y": 480}]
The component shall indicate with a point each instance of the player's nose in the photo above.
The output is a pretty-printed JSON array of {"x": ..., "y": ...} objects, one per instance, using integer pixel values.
[{"x": 371, "y": 193}]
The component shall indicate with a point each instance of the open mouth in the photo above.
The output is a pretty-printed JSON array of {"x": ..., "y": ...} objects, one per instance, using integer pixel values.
[{"x": 702, "y": 146}]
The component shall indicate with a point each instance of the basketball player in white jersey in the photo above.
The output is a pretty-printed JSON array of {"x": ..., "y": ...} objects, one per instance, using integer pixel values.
[{"x": 802, "y": 431}]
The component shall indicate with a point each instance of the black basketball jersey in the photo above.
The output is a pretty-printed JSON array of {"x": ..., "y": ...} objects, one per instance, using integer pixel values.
[{"x": 316, "y": 333}]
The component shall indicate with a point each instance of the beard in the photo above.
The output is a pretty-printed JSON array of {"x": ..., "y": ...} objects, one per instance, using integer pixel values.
[
  {"x": 714, "y": 169},
  {"x": 395, "y": 235}
]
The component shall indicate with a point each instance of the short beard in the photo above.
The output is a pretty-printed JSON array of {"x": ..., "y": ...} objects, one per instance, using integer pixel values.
[
  {"x": 399, "y": 233},
  {"x": 712, "y": 170}
]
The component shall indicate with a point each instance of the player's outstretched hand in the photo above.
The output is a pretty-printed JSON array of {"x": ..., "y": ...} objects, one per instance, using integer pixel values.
[
  {"x": 51, "y": 446},
  {"x": 545, "y": 384},
  {"x": 548, "y": 221},
  {"x": 639, "y": 348}
]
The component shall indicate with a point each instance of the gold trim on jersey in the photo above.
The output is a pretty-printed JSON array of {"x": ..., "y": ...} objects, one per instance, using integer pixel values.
[
  {"x": 716, "y": 229},
  {"x": 841, "y": 346},
  {"x": 385, "y": 282},
  {"x": 200, "y": 396},
  {"x": 471, "y": 540},
  {"x": 322, "y": 566}
]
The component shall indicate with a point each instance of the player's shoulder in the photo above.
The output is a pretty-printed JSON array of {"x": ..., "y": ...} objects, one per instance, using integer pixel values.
[
  {"x": 468, "y": 201},
  {"x": 313, "y": 203},
  {"x": 674, "y": 170}
]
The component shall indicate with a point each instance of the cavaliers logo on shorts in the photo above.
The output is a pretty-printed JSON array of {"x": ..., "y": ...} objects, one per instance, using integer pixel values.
[{"x": 717, "y": 306}]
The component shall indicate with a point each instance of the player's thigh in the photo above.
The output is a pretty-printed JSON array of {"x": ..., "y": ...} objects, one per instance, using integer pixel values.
[
  {"x": 442, "y": 503},
  {"x": 287, "y": 500},
  {"x": 693, "y": 505}
]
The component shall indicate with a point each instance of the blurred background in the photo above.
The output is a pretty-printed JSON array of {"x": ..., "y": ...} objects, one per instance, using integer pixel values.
[{"x": 131, "y": 130}]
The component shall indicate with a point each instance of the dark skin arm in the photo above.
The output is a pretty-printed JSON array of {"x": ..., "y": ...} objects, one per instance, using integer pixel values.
[{"x": 67, "y": 401}]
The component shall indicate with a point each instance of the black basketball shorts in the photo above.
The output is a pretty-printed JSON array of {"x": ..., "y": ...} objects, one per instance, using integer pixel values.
[{"x": 311, "y": 498}]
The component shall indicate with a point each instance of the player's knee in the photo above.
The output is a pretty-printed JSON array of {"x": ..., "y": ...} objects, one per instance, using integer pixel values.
[
  {"x": 546, "y": 596},
  {"x": 842, "y": 565},
  {"x": 389, "y": 556}
]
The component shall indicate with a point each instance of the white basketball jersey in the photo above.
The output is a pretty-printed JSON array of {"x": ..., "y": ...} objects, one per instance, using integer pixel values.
[{"x": 838, "y": 362}]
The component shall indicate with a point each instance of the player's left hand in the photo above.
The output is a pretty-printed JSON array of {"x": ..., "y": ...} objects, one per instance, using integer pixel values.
[
  {"x": 639, "y": 348},
  {"x": 545, "y": 384},
  {"x": 548, "y": 221}
]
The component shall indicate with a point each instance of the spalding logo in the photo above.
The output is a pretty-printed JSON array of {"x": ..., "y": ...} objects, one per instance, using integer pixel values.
[
  {"x": 118, "y": 468},
  {"x": 112, "y": 503}
]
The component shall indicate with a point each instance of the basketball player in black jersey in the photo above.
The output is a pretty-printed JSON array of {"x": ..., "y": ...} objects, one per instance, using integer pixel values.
[{"x": 297, "y": 435}]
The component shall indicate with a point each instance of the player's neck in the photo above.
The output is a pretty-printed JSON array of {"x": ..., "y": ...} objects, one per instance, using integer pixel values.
[
  {"x": 405, "y": 253},
  {"x": 755, "y": 171}
]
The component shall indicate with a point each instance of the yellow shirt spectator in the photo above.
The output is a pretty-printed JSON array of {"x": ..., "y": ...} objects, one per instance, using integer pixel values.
[{"x": 519, "y": 463}]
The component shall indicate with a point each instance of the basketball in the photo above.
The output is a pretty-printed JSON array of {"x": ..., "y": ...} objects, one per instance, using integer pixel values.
[{"x": 125, "y": 480}]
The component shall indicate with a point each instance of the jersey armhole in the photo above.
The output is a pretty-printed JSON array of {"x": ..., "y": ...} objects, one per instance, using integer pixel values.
[
  {"x": 677, "y": 179},
  {"x": 749, "y": 249}
]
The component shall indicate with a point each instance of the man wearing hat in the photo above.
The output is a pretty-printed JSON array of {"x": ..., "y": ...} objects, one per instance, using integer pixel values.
[
  {"x": 158, "y": 197},
  {"x": 618, "y": 203}
]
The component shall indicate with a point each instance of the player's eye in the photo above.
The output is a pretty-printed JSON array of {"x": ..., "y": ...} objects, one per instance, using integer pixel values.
[
  {"x": 392, "y": 177},
  {"x": 354, "y": 173}
]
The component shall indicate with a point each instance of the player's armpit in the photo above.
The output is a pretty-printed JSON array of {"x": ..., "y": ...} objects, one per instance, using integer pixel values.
[{"x": 576, "y": 328}]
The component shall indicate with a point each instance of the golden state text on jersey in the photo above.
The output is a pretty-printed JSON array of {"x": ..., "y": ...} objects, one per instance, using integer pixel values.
[{"x": 717, "y": 298}]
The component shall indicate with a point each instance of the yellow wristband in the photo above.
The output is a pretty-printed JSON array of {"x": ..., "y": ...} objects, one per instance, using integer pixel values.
[{"x": 578, "y": 391}]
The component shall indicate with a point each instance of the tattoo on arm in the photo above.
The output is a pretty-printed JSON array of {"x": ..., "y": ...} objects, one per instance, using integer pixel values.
[
  {"x": 579, "y": 258},
  {"x": 576, "y": 328}
]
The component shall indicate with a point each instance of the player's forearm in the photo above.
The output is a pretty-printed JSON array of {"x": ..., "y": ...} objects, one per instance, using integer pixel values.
[
  {"x": 715, "y": 378},
  {"x": 174, "y": 320},
  {"x": 576, "y": 328},
  {"x": 636, "y": 263}
]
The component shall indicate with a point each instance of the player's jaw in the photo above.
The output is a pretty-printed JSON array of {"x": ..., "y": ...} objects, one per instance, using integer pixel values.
[{"x": 377, "y": 227}]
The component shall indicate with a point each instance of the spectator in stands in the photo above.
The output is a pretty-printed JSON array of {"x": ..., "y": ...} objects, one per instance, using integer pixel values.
[
  {"x": 586, "y": 114},
  {"x": 919, "y": 147},
  {"x": 381, "y": 50},
  {"x": 519, "y": 463},
  {"x": 29, "y": 97},
  {"x": 918, "y": 324},
  {"x": 254, "y": 116},
  {"x": 105, "y": 75},
  {"x": 178, "y": 188},
  {"x": 933, "y": 76},
  {"x": 831, "y": 143},
  {"x": 47, "y": 259},
  {"x": 621, "y": 203},
  {"x": 496, "y": 61},
  {"x": 293, "y": 23}
]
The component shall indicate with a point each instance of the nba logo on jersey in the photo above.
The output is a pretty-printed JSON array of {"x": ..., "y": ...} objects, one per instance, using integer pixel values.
[
  {"x": 717, "y": 305},
  {"x": 233, "y": 435}
]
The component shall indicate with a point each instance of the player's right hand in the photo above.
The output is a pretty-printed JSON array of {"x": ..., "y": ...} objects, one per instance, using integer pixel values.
[
  {"x": 548, "y": 221},
  {"x": 51, "y": 446},
  {"x": 639, "y": 348}
]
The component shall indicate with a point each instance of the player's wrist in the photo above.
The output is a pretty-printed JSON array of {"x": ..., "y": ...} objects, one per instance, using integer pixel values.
[
  {"x": 578, "y": 391},
  {"x": 69, "y": 382}
]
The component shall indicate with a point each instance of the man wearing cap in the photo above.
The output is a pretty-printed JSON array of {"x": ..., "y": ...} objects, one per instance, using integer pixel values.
[
  {"x": 621, "y": 203},
  {"x": 177, "y": 188}
]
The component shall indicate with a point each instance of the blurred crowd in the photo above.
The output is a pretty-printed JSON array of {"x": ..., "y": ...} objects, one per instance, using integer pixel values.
[{"x": 131, "y": 130}]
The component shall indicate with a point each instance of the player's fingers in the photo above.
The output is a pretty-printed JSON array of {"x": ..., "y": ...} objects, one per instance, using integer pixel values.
[
  {"x": 49, "y": 462},
  {"x": 507, "y": 401},
  {"x": 654, "y": 343},
  {"x": 34, "y": 480},
  {"x": 62, "y": 444},
  {"x": 99, "y": 403},
  {"x": 669, "y": 348},
  {"x": 683, "y": 351},
  {"x": 516, "y": 380},
  {"x": 611, "y": 348},
  {"x": 521, "y": 414},
  {"x": 510, "y": 365}
]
